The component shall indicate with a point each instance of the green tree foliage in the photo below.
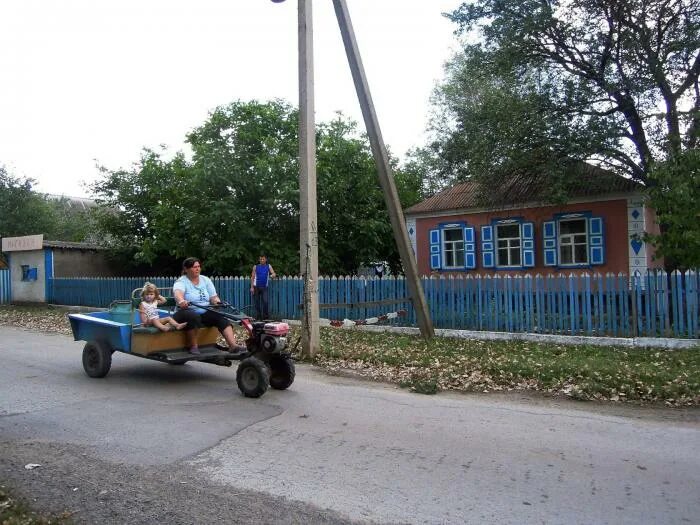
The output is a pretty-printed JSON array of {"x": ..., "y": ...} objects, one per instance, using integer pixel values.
[
  {"x": 606, "y": 80},
  {"x": 72, "y": 222},
  {"x": 675, "y": 195},
  {"x": 24, "y": 212},
  {"x": 354, "y": 226},
  {"x": 493, "y": 118},
  {"x": 239, "y": 196}
]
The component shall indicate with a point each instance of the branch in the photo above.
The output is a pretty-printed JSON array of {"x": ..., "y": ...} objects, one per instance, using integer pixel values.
[{"x": 691, "y": 78}]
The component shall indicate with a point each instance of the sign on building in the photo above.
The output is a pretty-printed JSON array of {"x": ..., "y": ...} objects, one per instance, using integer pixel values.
[{"x": 22, "y": 244}]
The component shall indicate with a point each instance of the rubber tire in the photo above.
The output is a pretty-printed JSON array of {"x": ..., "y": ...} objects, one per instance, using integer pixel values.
[
  {"x": 252, "y": 377},
  {"x": 282, "y": 372},
  {"x": 97, "y": 359}
]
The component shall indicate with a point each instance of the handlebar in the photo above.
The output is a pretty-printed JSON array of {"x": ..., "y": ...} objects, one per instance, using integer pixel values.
[{"x": 235, "y": 315}]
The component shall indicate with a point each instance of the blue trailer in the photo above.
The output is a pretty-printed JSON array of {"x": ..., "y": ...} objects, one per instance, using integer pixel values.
[{"x": 266, "y": 361}]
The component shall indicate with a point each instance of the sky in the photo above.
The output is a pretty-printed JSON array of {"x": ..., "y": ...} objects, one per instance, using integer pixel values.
[{"x": 92, "y": 82}]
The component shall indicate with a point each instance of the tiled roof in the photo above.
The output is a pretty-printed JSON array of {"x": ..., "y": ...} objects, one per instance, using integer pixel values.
[{"x": 583, "y": 180}]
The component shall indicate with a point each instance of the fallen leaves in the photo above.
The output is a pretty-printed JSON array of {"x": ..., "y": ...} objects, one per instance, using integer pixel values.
[{"x": 580, "y": 372}]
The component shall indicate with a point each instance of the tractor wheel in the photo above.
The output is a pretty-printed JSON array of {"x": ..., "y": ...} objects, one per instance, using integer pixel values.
[
  {"x": 282, "y": 372},
  {"x": 97, "y": 359},
  {"x": 252, "y": 377}
]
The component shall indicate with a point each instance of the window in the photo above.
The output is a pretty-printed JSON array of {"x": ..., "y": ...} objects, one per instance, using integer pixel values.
[
  {"x": 508, "y": 244},
  {"x": 453, "y": 247},
  {"x": 29, "y": 274},
  {"x": 573, "y": 242}
]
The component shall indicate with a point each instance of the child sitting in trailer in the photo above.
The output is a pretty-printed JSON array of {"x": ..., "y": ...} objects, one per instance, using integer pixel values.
[{"x": 148, "y": 310}]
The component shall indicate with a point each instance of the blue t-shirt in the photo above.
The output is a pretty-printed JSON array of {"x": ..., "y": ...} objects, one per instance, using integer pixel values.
[{"x": 196, "y": 294}]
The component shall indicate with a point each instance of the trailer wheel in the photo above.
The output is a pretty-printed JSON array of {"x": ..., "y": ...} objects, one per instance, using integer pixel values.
[
  {"x": 97, "y": 359},
  {"x": 252, "y": 377},
  {"x": 282, "y": 372}
]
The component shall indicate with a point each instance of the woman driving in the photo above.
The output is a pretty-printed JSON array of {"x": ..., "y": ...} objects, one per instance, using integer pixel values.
[{"x": 191, "y": 291}]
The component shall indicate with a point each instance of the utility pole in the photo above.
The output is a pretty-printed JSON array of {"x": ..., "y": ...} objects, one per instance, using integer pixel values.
[
  {"x": 386, "y": 178},
  {"x": 308, "y": 222}
]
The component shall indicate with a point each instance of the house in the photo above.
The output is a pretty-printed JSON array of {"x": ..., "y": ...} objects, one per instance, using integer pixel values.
[
  {"x": 515, "y": 228},
  {"x": 33, "y": 262}
]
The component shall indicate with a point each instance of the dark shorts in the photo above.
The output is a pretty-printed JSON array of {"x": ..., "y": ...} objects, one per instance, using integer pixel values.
[{"x": 195, "y": 320}]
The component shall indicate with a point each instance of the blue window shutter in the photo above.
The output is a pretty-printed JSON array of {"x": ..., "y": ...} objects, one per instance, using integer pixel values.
[
  {"x": 487, "y": 247},
  {"x": 435, "y": 250},
  {"x": 469, "y": 248},
  {"x": 528, "y": 232},
  {"x": 596, "y": 241},
  {"x": 549, "y": 236}
]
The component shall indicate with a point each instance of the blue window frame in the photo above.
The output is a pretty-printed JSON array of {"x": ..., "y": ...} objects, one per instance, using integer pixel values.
[
  {"x": 508, "y": 244},
  {"x": 452, "y": 247},
  {"x": 574, "y": 240}
]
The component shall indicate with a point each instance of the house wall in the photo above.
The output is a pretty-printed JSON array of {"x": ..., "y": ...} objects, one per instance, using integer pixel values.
[
  {"x": 652, "y": 227},
  {"x": 616, "y": 236},
  {"x": 80, "y": 263},
  {"x": 27, "y": 291}
]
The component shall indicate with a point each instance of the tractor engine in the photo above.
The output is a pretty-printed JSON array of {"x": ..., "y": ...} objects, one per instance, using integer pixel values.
[{"x": 270, "y": 337}]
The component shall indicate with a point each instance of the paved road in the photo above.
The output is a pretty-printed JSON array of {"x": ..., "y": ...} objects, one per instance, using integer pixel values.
[{"x": 363, "y": 451}]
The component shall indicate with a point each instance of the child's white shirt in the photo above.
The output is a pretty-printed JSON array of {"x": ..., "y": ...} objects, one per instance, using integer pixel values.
[{"x": 150, "y": 309}]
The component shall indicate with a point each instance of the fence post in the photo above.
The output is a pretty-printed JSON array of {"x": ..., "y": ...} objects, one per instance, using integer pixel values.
[{"x": 635, "y": 284}]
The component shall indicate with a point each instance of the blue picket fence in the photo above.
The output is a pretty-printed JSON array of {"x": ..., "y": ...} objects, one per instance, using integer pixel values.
[
  {"x": 653, "y": 305},
  {"x": 5, "y": 289}
]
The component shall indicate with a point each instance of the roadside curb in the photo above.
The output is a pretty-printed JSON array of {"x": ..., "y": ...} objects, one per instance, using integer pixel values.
[{"x": 638, "y": 342}]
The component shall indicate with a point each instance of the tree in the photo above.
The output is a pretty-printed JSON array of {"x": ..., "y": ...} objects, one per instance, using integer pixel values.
[
  {"x": 239, "y": 196},
  {"x": 675, "y": 195},
  {"x": 149, "y": 211},
  {"x": 354, "y": 224},
  {"x": 615, "y": 81},
  {"x": 24, "y": 212},
  {"x": 493, "y": 119}
]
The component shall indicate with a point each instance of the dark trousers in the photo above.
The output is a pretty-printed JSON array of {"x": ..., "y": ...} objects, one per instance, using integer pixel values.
[
  {"x": 261, "y": 305},
  {"x": 195, "y": 320}
]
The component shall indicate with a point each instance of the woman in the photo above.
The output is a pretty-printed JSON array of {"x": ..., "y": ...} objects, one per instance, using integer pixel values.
[{"x": 191, "y": 290}]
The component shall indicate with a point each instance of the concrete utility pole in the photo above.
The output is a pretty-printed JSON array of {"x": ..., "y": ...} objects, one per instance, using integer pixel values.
[
  {"x": 308, "y": 231},
  {"x": 386, "y": 179}
]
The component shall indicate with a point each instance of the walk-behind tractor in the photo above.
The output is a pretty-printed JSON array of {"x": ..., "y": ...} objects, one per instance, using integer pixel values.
[{"x": 264, "y": 362}]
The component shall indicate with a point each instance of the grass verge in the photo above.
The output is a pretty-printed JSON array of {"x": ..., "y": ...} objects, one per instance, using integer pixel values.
[{"x": 579, "y": 372}]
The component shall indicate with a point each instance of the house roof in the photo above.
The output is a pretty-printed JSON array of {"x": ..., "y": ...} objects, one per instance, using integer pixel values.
[
  {"x": 583, "y": 180},
  {"x": 80, "y": 203},
  {"x": 72, "y": 245}
]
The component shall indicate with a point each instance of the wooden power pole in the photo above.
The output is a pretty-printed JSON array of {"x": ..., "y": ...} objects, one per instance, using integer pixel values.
[
  {"x": 308, "y": 223},
  {"x": 386, "y": 179}
]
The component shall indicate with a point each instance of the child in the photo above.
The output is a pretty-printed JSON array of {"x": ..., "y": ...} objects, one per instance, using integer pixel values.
[{"x": 148, "y": 309}]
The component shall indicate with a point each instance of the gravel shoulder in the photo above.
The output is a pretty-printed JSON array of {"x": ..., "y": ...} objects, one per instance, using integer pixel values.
[{"x": 71, "y": 483}]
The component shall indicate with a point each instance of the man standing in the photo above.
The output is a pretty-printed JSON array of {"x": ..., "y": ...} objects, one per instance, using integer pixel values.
[{"x": 259, "y": 279}]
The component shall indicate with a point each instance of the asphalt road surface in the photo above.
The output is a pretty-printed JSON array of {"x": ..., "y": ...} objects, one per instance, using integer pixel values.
[{"x": 153, "y": 443}]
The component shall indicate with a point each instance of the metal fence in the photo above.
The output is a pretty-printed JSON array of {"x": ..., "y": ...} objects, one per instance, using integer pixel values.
[
  {"x": 5, "y": 289},
  {"x": 654, "y": 305}
]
